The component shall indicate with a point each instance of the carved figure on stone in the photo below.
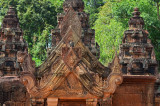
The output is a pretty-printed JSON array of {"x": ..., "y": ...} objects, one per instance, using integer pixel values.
[
  {"x": 26, "y": 62},
  {"x": 72, "y": 69}
]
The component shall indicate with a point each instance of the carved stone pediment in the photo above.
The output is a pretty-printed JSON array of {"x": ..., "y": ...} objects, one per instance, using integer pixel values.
[
  {"x": 71, "y": 70},
  {"x": 72, "y": 65}
]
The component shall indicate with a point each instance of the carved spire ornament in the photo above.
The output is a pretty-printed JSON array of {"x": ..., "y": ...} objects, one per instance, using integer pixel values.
[
  {"x": 11, "y": 41},
  {"x": 136, "y": 52},
  {"x": 77, "y": 5},
  {"x": 12, "y": 91},
  {"x": 87, "y": 36}
]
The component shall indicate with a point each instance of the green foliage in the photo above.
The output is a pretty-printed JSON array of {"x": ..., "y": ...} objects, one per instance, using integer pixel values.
[
  {"x": 113, "y": 20},
  {"x": 58, "y": 4},
  {"x": 109, "y": 33},
  {"x": 37, "y": 18},
  {"x": 92, "y": 8}
]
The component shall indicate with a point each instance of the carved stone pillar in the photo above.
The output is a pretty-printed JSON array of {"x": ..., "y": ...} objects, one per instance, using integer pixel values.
[
  {"x": 91, "y": 102},
  {"x": 37, "y": 102},
  {"x": 52, "y": 101},
  {"x": 105, "y": 102}
]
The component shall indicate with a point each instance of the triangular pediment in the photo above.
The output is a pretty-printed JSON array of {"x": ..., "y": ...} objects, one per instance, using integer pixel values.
[
  {"x": 71, "y": 87},
  {"x": 71, "y": 59},
  {"x": 72, "y": 66}
]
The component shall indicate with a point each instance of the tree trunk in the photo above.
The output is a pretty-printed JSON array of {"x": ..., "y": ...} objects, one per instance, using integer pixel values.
[{"x": 158, "y": 11}]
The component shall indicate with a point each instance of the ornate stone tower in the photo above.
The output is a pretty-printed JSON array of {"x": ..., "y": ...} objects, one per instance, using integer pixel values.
[
  {"x": 11, "y": 41},
  {"x": 12, "y": 91},
  {"x": 136, "y": 52},
  {"x": 88, "y": 35},
  {"x": 138, "y": 66}
]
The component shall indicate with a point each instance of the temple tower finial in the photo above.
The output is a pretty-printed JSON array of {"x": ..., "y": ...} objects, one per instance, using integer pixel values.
[
  {"x": 136, "y": 52},
  {"x": 11, "y": 40},
  {"x": 10, "y": 20},
  {"x": 77, "y": 5},
  {"x": 136, "y": 21}
]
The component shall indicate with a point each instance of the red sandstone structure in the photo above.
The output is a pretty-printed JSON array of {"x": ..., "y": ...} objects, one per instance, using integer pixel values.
[
  {"x": 12, "y": 91},
  {"x": 72, "y": 74},
  {"x": 139, "y": 66}
]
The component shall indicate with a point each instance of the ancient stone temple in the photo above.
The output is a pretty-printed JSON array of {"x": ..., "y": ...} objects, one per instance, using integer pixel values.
[
  {"x": 12, "y": 91},
  {"x": 72, "y": 75}
]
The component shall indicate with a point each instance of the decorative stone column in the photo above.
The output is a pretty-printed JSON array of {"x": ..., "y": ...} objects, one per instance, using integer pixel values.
[
  {"x": 91, "y": 102},
  {"x": 52, "y": 101},
  {"x": 105, "y": 102},
  {"x": 37, "y": 102}
]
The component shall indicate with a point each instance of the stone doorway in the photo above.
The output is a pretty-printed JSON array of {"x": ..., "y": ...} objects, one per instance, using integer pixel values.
[{"x": 72, "y": 102}]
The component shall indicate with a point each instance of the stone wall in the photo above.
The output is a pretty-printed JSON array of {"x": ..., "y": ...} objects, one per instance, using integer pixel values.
[{"x": 135, "y": 91}]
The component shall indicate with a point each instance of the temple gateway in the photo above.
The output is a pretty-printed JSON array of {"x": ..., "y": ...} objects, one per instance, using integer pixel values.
[{"x": 72, "y": 74}]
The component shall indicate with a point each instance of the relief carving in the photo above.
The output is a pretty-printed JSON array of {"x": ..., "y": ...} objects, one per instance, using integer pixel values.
[
  {"x": 26, "y": 62},
  {"x": 71, "y": 56},
  {"x": 71, "y": 69},
  {"x": 114, "y": 79}
]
